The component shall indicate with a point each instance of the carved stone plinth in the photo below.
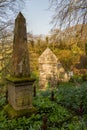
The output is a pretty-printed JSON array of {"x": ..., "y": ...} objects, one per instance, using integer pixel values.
[{"x": 20, "y": 94}]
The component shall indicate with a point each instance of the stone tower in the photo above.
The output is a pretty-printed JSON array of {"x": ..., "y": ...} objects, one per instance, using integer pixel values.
[{"x": 20, "y": 58}]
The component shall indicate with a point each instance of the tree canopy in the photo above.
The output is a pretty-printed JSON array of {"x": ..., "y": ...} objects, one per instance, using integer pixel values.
[{"x": 68, "y": 12}]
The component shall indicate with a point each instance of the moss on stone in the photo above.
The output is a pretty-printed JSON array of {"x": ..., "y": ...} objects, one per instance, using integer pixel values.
[
  {"x": 12, "y": 113},
  {"x": 20, "y": 79}
]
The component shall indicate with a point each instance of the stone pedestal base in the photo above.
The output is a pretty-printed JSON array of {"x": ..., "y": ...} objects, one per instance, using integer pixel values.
[
  {"x": 20, "y": 94},
  {"x": 12, "y": 113}
]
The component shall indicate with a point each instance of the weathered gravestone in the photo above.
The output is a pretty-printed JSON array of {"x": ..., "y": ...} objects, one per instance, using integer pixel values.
[
  {"x": 48, "y": 73},
  {"x": 20, "y": 83}
]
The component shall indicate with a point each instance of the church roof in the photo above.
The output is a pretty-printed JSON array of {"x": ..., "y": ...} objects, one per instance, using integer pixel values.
[{"x": 48, "y": 57}]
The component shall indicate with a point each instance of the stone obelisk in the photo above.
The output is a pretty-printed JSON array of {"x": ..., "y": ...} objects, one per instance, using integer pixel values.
[
  {"x": 20, "y": 81},
  {"x": 20, "y": 58}
]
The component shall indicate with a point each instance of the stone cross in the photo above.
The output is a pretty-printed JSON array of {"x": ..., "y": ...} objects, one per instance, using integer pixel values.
[{"x": 20, "y": 58}]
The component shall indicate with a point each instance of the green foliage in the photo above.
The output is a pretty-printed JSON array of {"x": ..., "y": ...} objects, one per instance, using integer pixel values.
[
  {"x": 75, "y": 125},
  {"x": 74, "y": 98},
  {"x": 59, "y": 113},
  {"x": 55, "y": 113},
  {"x": 2, "y": 100},
  {"x": 76, "y": 78}
]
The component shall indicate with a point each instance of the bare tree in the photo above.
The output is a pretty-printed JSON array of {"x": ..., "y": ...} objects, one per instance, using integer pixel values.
[
  {"x": 8, "y": 10},
  {"x": 69, "y": 12}
]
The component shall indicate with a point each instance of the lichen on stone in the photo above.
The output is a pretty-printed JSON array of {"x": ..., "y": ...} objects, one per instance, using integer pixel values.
[{"x": 20, "y": 79}]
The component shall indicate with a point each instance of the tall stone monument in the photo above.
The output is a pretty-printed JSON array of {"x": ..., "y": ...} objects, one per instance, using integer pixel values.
[
  {"x": 20, "y": 59},
  {"x": 20, "y": 82}
]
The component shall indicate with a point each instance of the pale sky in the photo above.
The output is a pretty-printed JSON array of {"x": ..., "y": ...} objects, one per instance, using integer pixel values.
[{"x": 37, "y": 16}]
